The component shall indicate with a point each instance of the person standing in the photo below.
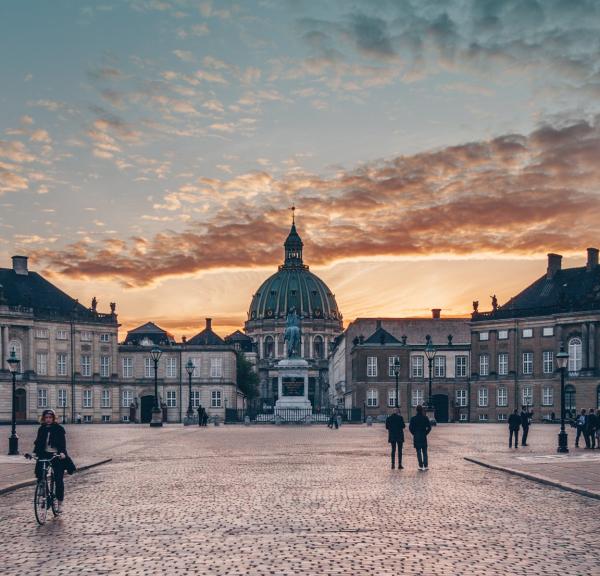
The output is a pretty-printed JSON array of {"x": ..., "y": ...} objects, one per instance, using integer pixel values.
[
  {"x": 580, "y": 424},
  {"x": 526, "y": 417},
  {"x": 591, "y": 426},
  {"x": 395, "y": 425},
  {"x": 514, "y": 424},
  {"x": 199, "y": 414},
  {"x": 420, "y": 427}
]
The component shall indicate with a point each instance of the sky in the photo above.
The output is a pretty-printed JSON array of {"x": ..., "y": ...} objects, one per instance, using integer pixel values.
[{"x": 435, "y": 151}]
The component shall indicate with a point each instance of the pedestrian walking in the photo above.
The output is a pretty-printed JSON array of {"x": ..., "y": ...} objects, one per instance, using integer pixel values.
[
  {"x": 420, "y": 427},
  {"x": 395, "y": 425},
  {"x": 204, "y": 417},
  {"x": 591, "y": 426},
  {"x": 199, "y": 409},
  {"x": 514, "y": 424},
  {"x": 526, "y": 417},
  {"x": 580, "y": 425}
]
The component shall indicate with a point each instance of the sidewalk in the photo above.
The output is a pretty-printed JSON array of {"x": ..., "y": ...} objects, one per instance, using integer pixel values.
[{"x": 578, "y": 471}]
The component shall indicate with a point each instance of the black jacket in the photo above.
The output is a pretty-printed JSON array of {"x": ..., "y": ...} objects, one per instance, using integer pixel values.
[
  {"x": 514, "y": 422},
  {"x": 591, "y": 423},
  {"x": 57, "y": 439},
  {"x": 394, "y": 424},
  {"x": 419, "y": 427},
  {"x": 525, "y": 416}
]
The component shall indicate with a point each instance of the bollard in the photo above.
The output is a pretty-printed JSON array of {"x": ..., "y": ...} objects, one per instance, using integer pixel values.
[
  {"x": 246, "y": 420},
  {"x": 369, "y": 420}
]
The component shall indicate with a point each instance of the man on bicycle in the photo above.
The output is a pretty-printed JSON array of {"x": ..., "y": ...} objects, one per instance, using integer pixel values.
[{"x": 51, "y": 441}]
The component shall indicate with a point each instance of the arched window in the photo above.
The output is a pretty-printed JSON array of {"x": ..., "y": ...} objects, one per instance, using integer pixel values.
[
  {"x": 570, "y": 404},
  {"x": 574, "y": 355},
  {"x": 269, "y": 348},
  {"x": 318, "y": 347},
  {"x": 15, "y": 346}
]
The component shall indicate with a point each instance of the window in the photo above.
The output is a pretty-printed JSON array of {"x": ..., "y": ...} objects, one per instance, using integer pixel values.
[
  {"x": 86, "y": 336},
  {"x": 62, "y": 335},
  {"x": 484, "y": 364},
  {"x": 105, "y": 398},
  {"x": 460, "y": 366},
  {"x": 417, "y": 397},
  {"x": 371, "y": 366},
  {"x": 62, "y": 398},
  {"x": 527, "y": 395},
  {"x": 104, "y": 366},
  {"x": 127, "y": 367},
  {"x": 392, "y": 398},
  {"x": 105, "y": 337},
  {"x": 548, "y": 331},
  {"x": 14, "y": 347},
  {"x": 61, "y": 364},
  {"x": 148, "y": 368},
  {"x": 393, "y": 364},
  {"x": 196, "y": 363},
  {"x": 42, "y": 397},
  {"x": 502, "y": 334},
  {"x": 484, "y": 336},
  {"x": 527, "y": 362},
  {"x": 439, "y": 367},
  {"x": 503, "y": 363},
  {"x": 461, "y": 398},
  {"x": 527, "y": 333},
  {"x": 105, "y": 417},
  {"x": 269, "y": 347},
  {"x": 171, "y": 367},
  {"x": 570, "y": 395},
  {"x": 462, "y": 418},
  {"x": 195, "y": 398},
  {"x": 372, "y": 398},
  {"x": 502, "y": 396},
  {"x": 547, "y": 396},
  {"x": 215, "y": 399},
  {"x": 87, "y": 397},
  {"x": 125, "y": 418},
  {"x": 126, "y": 398},
  {"x": 87, "y": 419},
  {"x": 416, "y": 366},
  {"x": 41, "y": 333},
  {"x": 171, "y": 398},
  {"x": 574, "y": 355},
  {"x": 502, "y": 417},
  {"x": 482, "y": 397},
  {"x": 86, "y": 365},
  {"x": 318, "y": 347},
  {"x": 42, "y": 363},
  {"x": 216, "y": 367},
  {"x": 483, "y": 417},
  {"x": 548, "y": 362}
]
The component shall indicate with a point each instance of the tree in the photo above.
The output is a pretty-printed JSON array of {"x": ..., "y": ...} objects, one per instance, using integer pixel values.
[{"x": 247, "y": 378}]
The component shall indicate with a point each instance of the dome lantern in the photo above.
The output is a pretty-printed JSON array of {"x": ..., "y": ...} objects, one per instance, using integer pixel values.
[{"x": 293, "y": 246}]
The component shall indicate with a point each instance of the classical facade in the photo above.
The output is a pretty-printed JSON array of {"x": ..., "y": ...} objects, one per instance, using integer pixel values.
[
  {"x": 293, "y": 286},
  {"x": 514, "y": 346}
]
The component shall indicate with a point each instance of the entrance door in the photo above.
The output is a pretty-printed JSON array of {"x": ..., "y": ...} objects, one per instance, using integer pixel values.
[
  {"x": 146, "y": 409},
  {"x": 21, "y": 404},
  {"x": 440, "y": 406}
]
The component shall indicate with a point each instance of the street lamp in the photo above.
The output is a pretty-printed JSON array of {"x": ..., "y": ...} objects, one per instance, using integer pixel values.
[
  {"x": 189, "y": 368},
  {"x": 156, "y": 421},
  {"x": 13, "y": 440},
  {"x": 562, "y": 359},
  {"x": 396, "y": 373},
  {"x": 430, "y": 352}
]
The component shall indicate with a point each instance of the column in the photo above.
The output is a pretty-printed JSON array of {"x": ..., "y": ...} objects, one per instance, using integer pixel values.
[
  {"x": 592, "y": 345},
  {"x": 310, "y": 346},
  {"x": 260, "y": 347},
  {"x": 3, "y": 363},
  {"x": 30, "y": 359},
  {"x": 584, "y": 346},
  {"x": 276, "y": 346}
]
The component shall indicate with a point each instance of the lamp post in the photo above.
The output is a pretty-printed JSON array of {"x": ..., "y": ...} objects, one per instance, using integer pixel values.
[
  {"x": 13, "y": 440},
  {"x": 396, "y": 374},
  {"x": 430, "y": 352},
  {"x": 189, "y": 368},
  {"x": 562, "y": 358},
  {"x": 156, "y": 421}
]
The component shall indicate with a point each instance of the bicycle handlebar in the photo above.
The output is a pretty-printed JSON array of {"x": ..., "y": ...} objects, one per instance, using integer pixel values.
[{"x": 34, "y": 457}]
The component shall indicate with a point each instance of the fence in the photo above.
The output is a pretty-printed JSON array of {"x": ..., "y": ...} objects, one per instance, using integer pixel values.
[{"x": 295, "y": 415}]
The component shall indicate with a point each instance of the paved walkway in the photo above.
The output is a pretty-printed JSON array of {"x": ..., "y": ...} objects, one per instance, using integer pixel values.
[{"x": 286, "y": 500}]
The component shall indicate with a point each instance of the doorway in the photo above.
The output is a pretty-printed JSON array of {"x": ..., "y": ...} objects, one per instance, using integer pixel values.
[
  {"x": 21, "y": 404},
  {"x": 146, "y": 409},
  {"x": 440, "y": 407}
]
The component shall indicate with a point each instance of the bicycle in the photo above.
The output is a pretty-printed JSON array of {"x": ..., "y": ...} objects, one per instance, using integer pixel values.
[{"x": 44, "y": 498}]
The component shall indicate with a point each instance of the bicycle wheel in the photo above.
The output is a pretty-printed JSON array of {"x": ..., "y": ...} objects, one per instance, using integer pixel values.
[
  {"x": 52, "y": 496},
  {"x": 40, "y": 502}
]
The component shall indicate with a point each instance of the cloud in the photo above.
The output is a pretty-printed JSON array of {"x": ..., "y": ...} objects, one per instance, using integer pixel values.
[
  {"x": 511, "y": 195},
  {"x": 40, "y": 136}
]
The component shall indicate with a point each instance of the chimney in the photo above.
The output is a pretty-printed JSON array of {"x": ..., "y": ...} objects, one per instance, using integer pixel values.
[
  {"x": 435, "y": 313},
  {"x": 592, "y": 259},
  {"x": 378, "y": 325},
  {"x": 209, "y": 324},
  {"x": 20, "y": 265},
  {"x": 554, "y": 265},
  {"x": 183, "y": 339}
]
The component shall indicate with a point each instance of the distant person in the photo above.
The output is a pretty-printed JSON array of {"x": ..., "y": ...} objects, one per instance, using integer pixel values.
[
  {"x": 395, "y": 425},
  {"x": 580, "y": 426},
  {"x": 526, "y": 417},
  {"x": 199, "y": 409},
  {"x": 78, "y": 418},
  {"x": 333, "y": 420},
  {"x": 591, "y": 426},
  {"x": 420, "y": 427},
  {"x": 204, "y": 417},
  {"x": 514, "y": 424}
]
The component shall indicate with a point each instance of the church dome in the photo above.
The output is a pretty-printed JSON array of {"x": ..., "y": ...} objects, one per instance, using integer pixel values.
[{"x": 294, "y": 286}]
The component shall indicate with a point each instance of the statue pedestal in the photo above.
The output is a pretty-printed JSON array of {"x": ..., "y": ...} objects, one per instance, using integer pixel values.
[{"x": 292, "y": 380}]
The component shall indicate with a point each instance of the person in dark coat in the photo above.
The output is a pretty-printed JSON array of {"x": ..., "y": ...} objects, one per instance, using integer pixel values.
[
  {"x": 526, "y": 416},
  {"x": 581, "y": 428},
  {"x": 51, "y": 441},
  {"x": 394, "y": 424},
  {"x": 420, "y": 427},
  {"x": 200, "y": 414},
  {"x": 514, "y": 424},
  {"x": 591, "y": 423}
]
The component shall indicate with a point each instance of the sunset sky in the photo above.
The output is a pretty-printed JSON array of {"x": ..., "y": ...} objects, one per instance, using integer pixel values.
[{"x": 435, "y": 150}]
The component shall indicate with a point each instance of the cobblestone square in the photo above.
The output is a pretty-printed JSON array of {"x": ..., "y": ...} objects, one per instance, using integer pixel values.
[{"x": 298, "y": 500}]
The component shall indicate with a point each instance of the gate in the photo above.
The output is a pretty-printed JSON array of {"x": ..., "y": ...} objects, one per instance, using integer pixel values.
[
  {"x": 146, "y": 409},
  {"x": 440, "y": 407}
]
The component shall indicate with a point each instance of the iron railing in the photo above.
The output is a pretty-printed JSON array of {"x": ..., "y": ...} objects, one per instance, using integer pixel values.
[{"x": 275, "y": 415}]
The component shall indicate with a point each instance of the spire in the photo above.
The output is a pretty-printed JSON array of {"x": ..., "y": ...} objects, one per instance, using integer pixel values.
[{"x": 293, "y": 245}]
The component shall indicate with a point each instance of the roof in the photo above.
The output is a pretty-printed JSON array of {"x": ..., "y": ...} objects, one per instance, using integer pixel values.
[
  {"x": 238, "y": 336},
  {"x": 381, "y": 336},
  {"x": 207, "y": 338},
  {"x": 149, "y": 334}
]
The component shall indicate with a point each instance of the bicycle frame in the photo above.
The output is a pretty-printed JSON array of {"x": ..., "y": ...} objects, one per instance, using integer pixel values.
[{"x": 44, "y": 498}]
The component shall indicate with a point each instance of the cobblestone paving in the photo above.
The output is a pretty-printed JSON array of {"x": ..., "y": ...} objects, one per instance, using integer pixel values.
[{"x": 291, "y": 500}]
